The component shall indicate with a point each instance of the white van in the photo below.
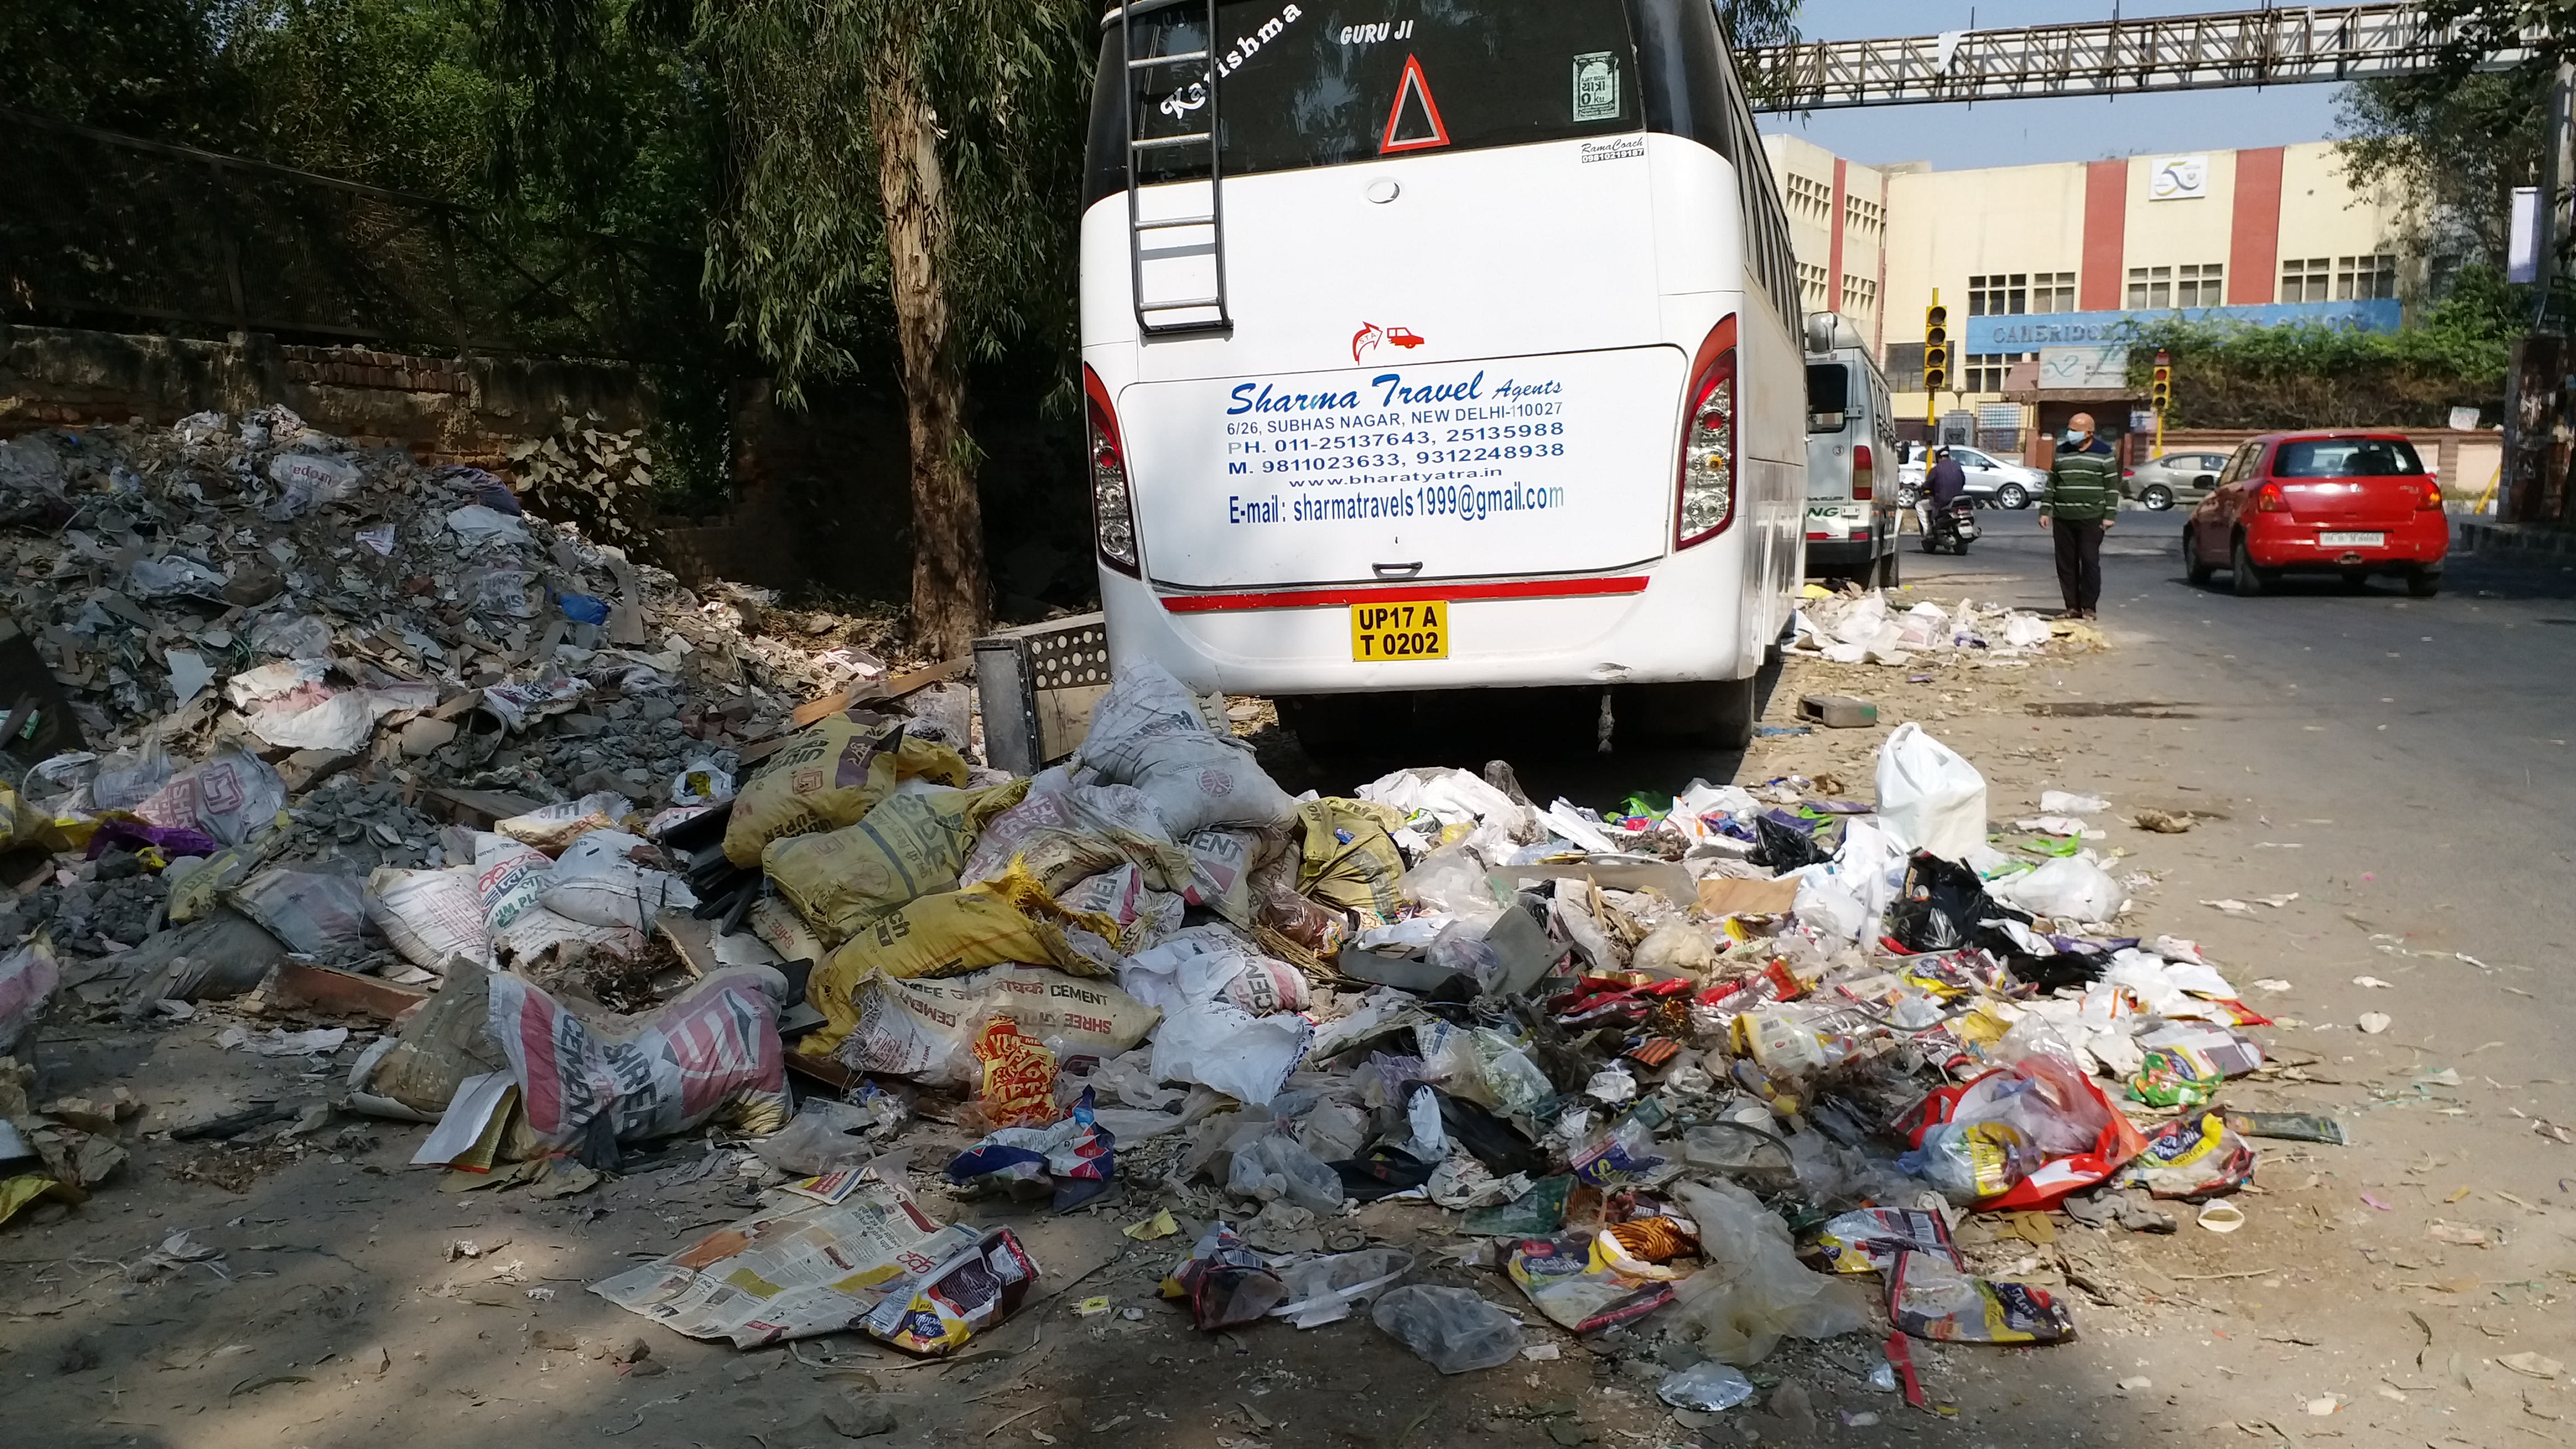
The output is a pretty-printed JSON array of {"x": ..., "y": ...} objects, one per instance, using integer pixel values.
[{"x": 1852, "y": 454}]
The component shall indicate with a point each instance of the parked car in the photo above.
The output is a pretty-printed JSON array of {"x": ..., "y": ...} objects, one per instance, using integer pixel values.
[
  {"x": 1992, "y": 480},
  {"x": 2351, "y": 503},
  {"x": 2160, "y": 483}
]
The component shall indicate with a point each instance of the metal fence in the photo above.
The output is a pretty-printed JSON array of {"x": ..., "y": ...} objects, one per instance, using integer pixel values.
[{"x": 110, "y": 231}]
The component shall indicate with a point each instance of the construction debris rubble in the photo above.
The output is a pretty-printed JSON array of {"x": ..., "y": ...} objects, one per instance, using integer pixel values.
[{"x": 315, "y": 730}]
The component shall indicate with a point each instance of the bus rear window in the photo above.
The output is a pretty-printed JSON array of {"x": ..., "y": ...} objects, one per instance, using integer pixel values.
[{"x": 1336, "y": 81}]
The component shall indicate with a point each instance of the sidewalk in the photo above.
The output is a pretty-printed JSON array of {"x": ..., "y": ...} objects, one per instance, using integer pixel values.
[{"x": 2533, "y": 543}]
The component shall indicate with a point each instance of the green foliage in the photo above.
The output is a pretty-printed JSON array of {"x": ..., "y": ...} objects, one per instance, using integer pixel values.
[
  {"x": 800, "y": 250},
  {"x": 2309, "y": 375},
  {"x": 2460, "y": 145}
]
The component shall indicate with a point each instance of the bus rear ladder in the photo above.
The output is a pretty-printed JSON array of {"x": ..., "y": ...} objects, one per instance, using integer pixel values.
[{"x": 1171, "y": 316}]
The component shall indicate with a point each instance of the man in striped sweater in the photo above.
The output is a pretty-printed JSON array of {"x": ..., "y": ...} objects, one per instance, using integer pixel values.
[{"x": 2078, "y": 505}]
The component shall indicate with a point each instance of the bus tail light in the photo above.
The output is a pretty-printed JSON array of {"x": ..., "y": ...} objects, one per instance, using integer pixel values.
[
  {"x": 1864, "y": 476},
  {"x": 1113, "y": 507},
  {"x": 2268, "y": 499},
  {"x": 1706, "y": 501}
]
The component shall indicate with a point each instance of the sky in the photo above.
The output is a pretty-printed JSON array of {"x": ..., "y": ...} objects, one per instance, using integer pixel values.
[{"x": 2021, "y": 132}]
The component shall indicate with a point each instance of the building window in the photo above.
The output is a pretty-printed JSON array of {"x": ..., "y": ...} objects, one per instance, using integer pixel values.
[
  {"x": 1814, "y": 287},
  {"x": 1863, "y": 218},
  {"x": 2052, "y": 291},
  {"x": 1810, "y": 197},
  {"x": 2199, "y": 286},
  {"x": 1999, "y": 295},
  {"x": 2150, "y": 289},
  {"x": 2304, "y": 280},
  {"x": 2364, "y": 279},
  {"x": 1860, "y": 294},
  {"x": 1985, "y": 370}
]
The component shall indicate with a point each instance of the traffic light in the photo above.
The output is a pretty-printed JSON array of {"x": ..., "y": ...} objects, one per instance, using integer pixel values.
[
  {"x": 1936, "y": 346},
  {"x": 2162, "y": 394}
]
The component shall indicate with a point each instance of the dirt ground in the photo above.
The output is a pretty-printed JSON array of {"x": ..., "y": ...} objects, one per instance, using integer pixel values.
[{"x": 2372, "y": 1296}]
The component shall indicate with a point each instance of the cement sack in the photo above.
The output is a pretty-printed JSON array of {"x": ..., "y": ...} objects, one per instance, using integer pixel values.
[
  {"x": 910, "y": 846},
  {"x": 1063, "y": 832},
  {"x": 228, "y": 797},
  {"x": 1145, "y": 917},
  {"x": 434, "y": 918},
  {"x": 1148, "y": 732},
  {"x": 315, "y": 912},
  {"x": 599, "y": 881},
  {"x": 510, "y": 878},
  {"x": 1348, "y": 858},
  {"x": 831, "y": 774},
  {"x": 1929, "y": 798},
  {"x": 1000, "y": 923},
  {"x": 709, "y": 1054},
  {"x": 925, "y": 1028}
]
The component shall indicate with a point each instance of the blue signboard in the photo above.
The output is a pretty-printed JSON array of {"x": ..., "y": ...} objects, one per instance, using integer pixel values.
[{"x": 2031, "y": 331}]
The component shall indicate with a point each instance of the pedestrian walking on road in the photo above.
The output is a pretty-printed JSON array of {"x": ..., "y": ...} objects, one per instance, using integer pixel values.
[{"x": 2078, "y": 504}]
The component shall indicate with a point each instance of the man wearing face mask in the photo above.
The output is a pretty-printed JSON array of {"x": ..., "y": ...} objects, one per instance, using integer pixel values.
[{"x": 2078, "y": 504}]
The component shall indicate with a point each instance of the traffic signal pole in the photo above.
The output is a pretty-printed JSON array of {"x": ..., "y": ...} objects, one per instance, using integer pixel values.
[
  {"x": 2162, "y": 396},
  {"x": 1936, "y": 363}
]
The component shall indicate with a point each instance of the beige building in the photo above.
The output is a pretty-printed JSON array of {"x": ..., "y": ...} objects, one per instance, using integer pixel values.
[
  {"x": 2042, "y": 268},
  {"x": 1838, "y": 225}
]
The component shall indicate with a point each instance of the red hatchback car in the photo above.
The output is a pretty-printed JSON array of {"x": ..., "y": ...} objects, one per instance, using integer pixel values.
[{"x": 2353, "y": 503}]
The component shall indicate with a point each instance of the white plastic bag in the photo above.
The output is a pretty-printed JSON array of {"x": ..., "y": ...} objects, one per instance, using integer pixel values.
[
  {"x": 1928, "y": 797},
  {"x": 2070, "y": 887},
  {"x": 596, "y": 881}
]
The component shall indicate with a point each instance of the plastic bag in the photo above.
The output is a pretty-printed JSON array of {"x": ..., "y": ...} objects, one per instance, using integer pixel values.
[
  {"x": 1928, "y": 797},
  {"x": 1453, "y": 1329},
  {"x": 831, "y": 774},
  {"x": 433, "y": 917},
  {"x": 1018, "y": 1077},
  {"x": 2113, "y": 1144},
  {"x": 1323, "y": 1290},
  {"x": 1273, "y": 1166},
  {"x": 910, "y": 846},
  {"x": 1451, "y": 879},
  {"x": 1939, "y": 906},
  {"x": 28, "y": 978},
  {"x": 1070, "y": 1162},
  {"x": 596, "y": 881},
  {"x": 2192, "y": 1157},
  {"x": 970, "y": 1292},
  {"x": 1568, "y": 1278},
  {"x": 233, "y": 794},
  {"x": 1754, "y": 1291},
  {"x": 1706, "y": 1388},
  {"x": 1784, "y": 848},
  {"x": 823, "y": 1138},
  {"x": 1929, "y": 1298},
  {"x": 1224, "y": 1282},
  {"x": 2069, "y": 888},
  {"x": 1868, "y": 1240}
]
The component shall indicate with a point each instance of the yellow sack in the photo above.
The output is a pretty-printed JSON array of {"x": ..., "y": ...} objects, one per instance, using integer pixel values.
[
  {"x": 1349, "y": 859},
  {"x": 832, "y": 773},
  {"x": 999, "y": 923},
  {"x": 909, "y": 847}
]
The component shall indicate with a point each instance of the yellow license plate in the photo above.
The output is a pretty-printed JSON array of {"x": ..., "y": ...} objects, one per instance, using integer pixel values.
[{"x": 1400, "y": 629}]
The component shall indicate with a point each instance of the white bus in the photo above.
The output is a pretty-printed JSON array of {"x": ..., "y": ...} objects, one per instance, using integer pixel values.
[
  {"x": 1441, "y": 346},
  {"x": 1852, "y": 457}
]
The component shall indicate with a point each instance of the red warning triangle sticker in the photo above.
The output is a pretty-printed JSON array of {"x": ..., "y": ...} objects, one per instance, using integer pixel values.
[{"x": 1413, "y": 86}]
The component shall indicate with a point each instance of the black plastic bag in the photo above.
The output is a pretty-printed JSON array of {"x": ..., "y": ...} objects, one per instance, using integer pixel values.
[
  {"x": 1941, "y": 905},
  {"x": 1488, "y": 1138},
  {"x": 1784, "y": 847},
  {"x": 1382, "y": 1173}
]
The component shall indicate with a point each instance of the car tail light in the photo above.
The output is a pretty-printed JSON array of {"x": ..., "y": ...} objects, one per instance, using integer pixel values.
[
  {"x": 1113, "y": 509},
  {"x": 2128, "y": 472},
  {"x": 1705, "y": 502},
  {"x": 2268, "y": 499},
  {"x": 2431, "y": 502},
  {"x": 1864, "y": 476}
]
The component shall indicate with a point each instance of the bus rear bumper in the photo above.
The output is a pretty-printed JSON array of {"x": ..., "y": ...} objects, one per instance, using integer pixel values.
[{"x": 1662, "y": 622}]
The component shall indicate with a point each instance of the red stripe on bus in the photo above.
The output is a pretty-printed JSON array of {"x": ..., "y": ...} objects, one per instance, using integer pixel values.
[{"x": 1330, "y": 598}]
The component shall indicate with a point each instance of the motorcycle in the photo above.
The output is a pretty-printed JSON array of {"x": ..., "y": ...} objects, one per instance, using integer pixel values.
[{"x": 1953, "y": 529}]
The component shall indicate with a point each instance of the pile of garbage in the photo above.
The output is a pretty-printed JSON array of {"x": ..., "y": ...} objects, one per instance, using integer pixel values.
[
  {"x": 1862, "y": 626},
  {"x": 1732, "y": 1067}
]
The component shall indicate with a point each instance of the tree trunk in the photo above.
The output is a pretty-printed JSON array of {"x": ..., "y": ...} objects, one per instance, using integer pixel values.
[{"x": 949, "y": 587}]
